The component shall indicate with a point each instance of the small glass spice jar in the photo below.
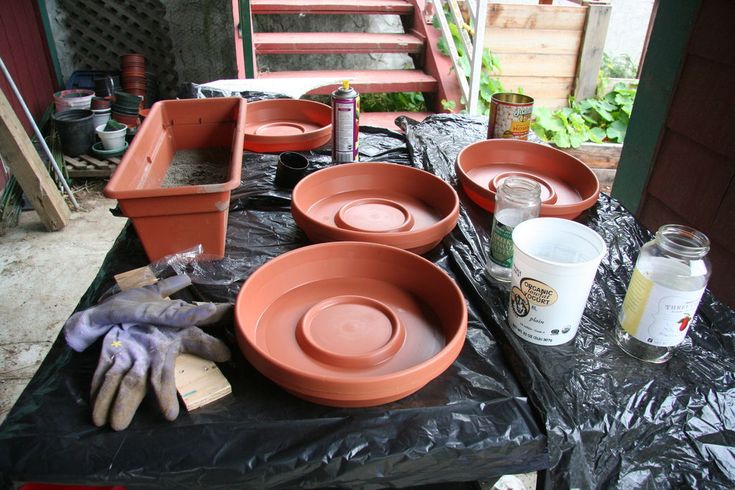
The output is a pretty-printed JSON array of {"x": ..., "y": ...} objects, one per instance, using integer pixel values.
[
  {"x": 516, "y": 200},
  {"x": 669, "y": 278}
]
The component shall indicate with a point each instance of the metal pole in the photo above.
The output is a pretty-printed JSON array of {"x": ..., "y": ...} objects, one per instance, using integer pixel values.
[
  {"x": 478, "y": 48},
  {"x": 39, "y": 135}
]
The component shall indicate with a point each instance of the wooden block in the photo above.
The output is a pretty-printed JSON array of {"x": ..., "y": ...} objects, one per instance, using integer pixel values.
[
  {"x": 29, "y": 170},
  {"x": 598, "y": 155},
  {"x": 593, "y": 45},
  {"x": 540, "y": 87},
  {"x": 532, "y": 41},
  {"x": 142, "y": 276},
  {"x": 199, "y": 381},
  {"x": 538, "y": 65},
  {"x": 535, "y": 16}
]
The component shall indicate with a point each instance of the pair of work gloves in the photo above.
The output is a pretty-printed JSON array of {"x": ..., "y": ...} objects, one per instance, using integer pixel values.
[{"x": 143, "y": 334}]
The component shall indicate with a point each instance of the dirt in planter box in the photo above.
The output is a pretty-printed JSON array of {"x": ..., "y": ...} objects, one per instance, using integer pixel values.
[{"x": 199, "y": 166}]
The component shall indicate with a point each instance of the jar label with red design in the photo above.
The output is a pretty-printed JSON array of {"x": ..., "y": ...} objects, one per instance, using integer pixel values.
[{"x": 656, "y": 314}]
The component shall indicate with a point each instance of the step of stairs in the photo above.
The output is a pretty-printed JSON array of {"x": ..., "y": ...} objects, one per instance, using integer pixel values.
[
  {"x": 366, "y": 81},
  {"x": 387, "y": 119},
  {"x": 335, "y": 43},
  {"x": 411, "y": 43},
  {"x": 372, "y": 7}
]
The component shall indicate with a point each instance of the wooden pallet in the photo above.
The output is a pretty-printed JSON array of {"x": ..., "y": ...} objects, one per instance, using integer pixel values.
[{"x": 87, "y": 166}]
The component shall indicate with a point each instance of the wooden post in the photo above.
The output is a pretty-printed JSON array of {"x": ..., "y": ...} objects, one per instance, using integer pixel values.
[
  {"x": 593, "y": 46},
  {"x": 22, "y": 158}
]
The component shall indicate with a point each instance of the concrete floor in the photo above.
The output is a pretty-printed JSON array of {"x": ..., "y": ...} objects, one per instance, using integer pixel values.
[{"x": 42, "y": 277}]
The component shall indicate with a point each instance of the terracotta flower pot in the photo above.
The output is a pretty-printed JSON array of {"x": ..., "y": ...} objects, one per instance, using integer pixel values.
[
  {"x": 376, "y": 202},
  {"x": 101, "y": 103},
  {"x": 171, "y": 219},
  {"x": 287, "y": 125},
  {"x": 129, "y": 120},
  {"x": 568, "y": 186},
  {"x": 350, "y": 324}
]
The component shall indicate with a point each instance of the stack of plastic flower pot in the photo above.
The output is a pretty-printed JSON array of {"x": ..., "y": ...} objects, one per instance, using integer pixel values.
[
  {"x": 126, "y": 109},
  {"x": 133, "y": 74}
]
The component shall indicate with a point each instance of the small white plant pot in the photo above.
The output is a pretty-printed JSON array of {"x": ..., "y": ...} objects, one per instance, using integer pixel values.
[
  {"x": 101, "y": 116},
  {"x": 112, "y": 140}
]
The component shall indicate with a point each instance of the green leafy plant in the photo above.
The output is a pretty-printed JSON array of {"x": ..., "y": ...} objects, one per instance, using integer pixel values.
[
  {"x": 621, "y": 66},
  {"x": 489, "y": 83},
  {"x": 383, "y": 102},
  {"x": 599, "y": 120},
  {"x": 389, "y": 102}
]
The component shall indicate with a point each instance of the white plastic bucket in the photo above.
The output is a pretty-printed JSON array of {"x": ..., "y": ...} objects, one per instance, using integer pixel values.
[
  {"x": 554, "y": 265},
  {"x": 101, "y": 116},
  {"x": 73, "y": 99},
  {"x": 112, "y": 140}
]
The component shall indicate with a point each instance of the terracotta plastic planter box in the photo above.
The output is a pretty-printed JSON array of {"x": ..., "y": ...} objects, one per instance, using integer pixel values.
[{"x": 171, "y": 219}]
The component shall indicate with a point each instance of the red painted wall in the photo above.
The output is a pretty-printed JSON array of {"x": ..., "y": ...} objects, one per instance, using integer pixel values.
[{"x": 24, "y": 50}]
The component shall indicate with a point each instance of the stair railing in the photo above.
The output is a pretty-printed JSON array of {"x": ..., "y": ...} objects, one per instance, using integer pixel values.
[{"x": 472, "y": 37}]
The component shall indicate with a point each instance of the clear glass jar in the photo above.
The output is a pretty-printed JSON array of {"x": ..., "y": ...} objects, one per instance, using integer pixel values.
[
  {"x": 669, "y": 278},
  {"x": 516, "y": 200}
]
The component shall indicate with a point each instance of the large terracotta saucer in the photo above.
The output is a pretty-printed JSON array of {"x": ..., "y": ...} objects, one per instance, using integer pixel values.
[
  {"x": 350, "y": 324},
  {"x": 384, "y": 203},
  {"x": 568, "y": 186},
  {"x": 279, "y": 125}
]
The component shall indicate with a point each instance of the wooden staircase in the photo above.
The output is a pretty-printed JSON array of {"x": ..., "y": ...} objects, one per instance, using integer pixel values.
[{"x": 416, "y": 42}]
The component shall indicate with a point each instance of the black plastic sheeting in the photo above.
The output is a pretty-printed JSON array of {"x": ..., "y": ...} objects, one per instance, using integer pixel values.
[
  {"x": 592, "y": 415},
  {"x": 473, "y": 422},
  {"x": 612, "y": 421}
]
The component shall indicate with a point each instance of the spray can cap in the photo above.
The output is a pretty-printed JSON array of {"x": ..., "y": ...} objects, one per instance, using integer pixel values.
[{"x": 345, "y": 84}]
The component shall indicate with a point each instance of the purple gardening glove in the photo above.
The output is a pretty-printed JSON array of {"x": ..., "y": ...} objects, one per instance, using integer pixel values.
[
  {"x": 132, "y": 354},
  {"x": 144, "y": 305}
]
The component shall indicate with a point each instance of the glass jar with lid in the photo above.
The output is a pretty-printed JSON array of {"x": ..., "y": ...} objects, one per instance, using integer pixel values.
[
  {"x": 517, "y": 199},
  {"x": 668, "y": 281}
]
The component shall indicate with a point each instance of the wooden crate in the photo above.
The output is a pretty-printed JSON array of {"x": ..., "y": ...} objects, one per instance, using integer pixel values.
[
  {"x": 548, "y": 51},
  {"x": 87, "y": 166}
]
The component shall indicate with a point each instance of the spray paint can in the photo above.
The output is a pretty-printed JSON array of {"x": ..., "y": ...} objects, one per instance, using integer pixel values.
[{"x": 345, "y": 123}]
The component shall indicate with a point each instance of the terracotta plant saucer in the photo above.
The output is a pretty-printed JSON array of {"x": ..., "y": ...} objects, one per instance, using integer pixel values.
[
  {"x": 279, "y": 125},
  {"x": 384, "y": 203},
  {"x": 350, "y": 324},
  {"x": 568, "y": 186}
]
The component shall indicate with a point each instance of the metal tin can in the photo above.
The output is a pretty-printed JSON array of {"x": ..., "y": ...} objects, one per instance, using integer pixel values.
[
  {"x": 345, "y": 123},
  {"x": 510, "y": 116}
]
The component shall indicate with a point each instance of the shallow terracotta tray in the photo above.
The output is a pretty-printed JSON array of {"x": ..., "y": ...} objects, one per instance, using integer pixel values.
[
  {"x": 384, "y": 203},
  {"x": 287, "y": 125},
  {"x": 350, "y": 324},
  {"x": 568, "y": 186}
]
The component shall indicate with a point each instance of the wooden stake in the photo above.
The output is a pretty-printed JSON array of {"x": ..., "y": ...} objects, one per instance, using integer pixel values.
[
  {"x": 22, "y": 158},
  {"x": 593, "y": 46}
]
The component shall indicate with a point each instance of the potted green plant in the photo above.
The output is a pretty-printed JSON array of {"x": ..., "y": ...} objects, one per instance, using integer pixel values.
[{"x": 112, "y": 134}]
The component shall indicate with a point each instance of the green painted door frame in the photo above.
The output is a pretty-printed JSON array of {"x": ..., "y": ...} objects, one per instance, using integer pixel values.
[
  {"x": 246, "y": 32},
  {"x": 51, "y": 43},
  {"x": 661, "y": 68}
]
